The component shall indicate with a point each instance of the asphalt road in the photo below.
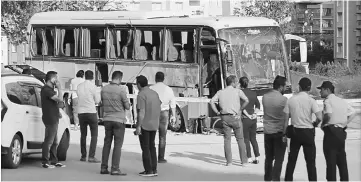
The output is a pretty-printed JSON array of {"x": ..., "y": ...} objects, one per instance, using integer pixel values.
[{"x": 190, "y": 157}]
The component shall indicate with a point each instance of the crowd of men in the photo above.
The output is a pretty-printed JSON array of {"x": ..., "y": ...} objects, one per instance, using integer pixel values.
[{"x": 237, "y": 107}]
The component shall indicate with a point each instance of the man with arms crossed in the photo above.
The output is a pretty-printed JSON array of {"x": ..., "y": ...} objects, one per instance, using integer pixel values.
[
  {"x": 167, "y": 98},
  {"x": 148, "y": 109},
  {"x": 274, "y": 129},
  {"x": 337, "y": 113},
  {"x": 51, "y": 115},
  {"x": 88, "y": 98},
  {"x": 115, "y": 102},
  {"x": 229, "y": 100},
  {"x": 300, "y": 108}
]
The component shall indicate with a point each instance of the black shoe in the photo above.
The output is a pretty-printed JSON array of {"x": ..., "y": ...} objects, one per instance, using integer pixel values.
[
  {"x": 146, "y": 174},
  {"x": 162, "y": 161},
  {"x": 48, "y": 166},
  {"x": 255, "y": 162},
  {"x": 104, "y": 171},
  {"x": 155, "y": 173},
  {"x": 118, "y": 173},
  {"x": 83, "y": 159},
  {"x": 59, "y": 165}
]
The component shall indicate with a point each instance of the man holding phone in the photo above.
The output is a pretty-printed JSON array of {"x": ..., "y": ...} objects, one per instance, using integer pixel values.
[{"x": 51, "y": 115}]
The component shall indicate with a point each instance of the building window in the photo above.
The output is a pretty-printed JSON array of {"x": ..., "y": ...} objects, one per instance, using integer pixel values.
[
  {"x": 339, "y": 47},
  {"x": 339, "y": 32},
  {"x": 339, "y": 16},
  {"x": 327, "y": 12},
  {"x": 156, "y": 6},
  {"x": 13, "y": 48},
  {"x": 179, "y": 6}
]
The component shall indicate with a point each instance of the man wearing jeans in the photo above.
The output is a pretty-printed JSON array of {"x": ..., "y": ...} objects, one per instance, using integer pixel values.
[
  {"x": 274, "y": 129},
  {"x": 229, "y": 100},
  {"x": 51, "y": 115},
  {"x": 115, "y": 102},
  {"x": 88, "y": 98},
  {"x": 337, "y": 113},
  {"x": 148, "y": 109},
  {"x": 167, "y": 98}
]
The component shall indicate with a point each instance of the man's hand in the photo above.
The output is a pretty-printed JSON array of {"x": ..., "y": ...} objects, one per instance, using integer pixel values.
[
  {"x": 284, "y": 139},
  {"x": 315, "y": 124},
  {"x": 57, "y": 85},
  {"x": 137, "y": 131}
]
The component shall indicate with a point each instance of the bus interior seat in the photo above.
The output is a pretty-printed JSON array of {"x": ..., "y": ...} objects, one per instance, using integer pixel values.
[{"x": 172, "y": 51}]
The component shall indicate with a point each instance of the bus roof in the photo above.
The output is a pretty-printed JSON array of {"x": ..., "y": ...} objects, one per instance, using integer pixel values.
[{"x": 144, "y": 18}]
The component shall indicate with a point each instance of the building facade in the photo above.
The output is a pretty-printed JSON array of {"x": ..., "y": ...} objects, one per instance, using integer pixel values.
[{"x": 347, "y": 31}]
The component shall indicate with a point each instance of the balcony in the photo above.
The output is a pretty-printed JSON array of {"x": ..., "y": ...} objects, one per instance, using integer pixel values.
[
  {"x": 339, "y": 39},
  {"x": 358, "y": 23},
  {"x": 358, "y": 9},
  {"x": 358, "y": 53},
  {"x": 340, "y": 7},
  {"x": 339, "y": 55},
  {"x": 340, "y": 24}
]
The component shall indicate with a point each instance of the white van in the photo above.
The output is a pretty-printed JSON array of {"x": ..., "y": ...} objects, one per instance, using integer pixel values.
[{"x": 22, "y": 128}]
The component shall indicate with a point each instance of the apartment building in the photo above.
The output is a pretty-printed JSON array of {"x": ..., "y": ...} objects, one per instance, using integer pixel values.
[
  {"x": 347, "y": 31},
  {"x": 318, "y": 16}
]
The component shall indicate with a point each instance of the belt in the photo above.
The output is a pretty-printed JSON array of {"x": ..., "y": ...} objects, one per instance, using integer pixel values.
[{"x": 227, "y": 114}]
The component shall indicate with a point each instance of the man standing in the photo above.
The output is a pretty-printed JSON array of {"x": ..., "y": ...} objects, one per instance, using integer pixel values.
[
  {"x": 88, "y": 98},
  {"x": 337, "y": 114},
  {"x": 148, "y": 109},
  {"x": 73, "y": 87},
  {"x": 301, "y": 107},
  {"x": 115, "y": 102},
  {"x": 167, "y": 98},
  {"x": 229, "y": 100},
  {"x": 274, "y": 129},
  {"x": 51, "y": 115}
]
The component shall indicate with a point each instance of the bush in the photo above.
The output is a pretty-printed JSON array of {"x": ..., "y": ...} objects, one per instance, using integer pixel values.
[
  {"x": 297, "y": 67},
  {"x": 333, "y": 70}
]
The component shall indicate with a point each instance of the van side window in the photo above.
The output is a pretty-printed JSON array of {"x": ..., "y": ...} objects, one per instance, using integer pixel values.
[{"x": 22, "y": 95}]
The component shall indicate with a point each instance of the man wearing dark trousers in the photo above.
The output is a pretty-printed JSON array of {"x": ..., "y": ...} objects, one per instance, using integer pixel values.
[
  {"x": 148, "y": 109},
  {"x": 167, "y": 98},
  {"x": 229, "y": 100},
  {"x": 87, "y": 99},
  {"x": 336, "y": 115},
  {"x": 300, "y": 108},
  {"x": 51, "y": 115},
  {"x": 274, "y": 128},
  {"x": 249, "y": 118},
  {"x": 114, "y": 102}
]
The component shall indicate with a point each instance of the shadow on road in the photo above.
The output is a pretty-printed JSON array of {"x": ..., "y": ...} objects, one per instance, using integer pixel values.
[
  {"x": 31, "y": 170},
  {"x": 209, "y": 158}
]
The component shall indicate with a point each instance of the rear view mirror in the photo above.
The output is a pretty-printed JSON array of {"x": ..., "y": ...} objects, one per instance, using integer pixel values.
[{"x": 229, "y": 53}]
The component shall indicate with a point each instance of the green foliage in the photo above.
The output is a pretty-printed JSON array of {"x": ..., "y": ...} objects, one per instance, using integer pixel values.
[
  {"x": 333, "y": 70},
  {"x": 297, "y": 67},
  {"x": 15, "y": 15},
  {"x": 277, "y": 10}
]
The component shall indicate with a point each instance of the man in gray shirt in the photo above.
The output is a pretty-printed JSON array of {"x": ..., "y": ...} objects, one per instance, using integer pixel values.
[
  {"x": 229, "y": 100},
  {"x": 148, "y": 109},
  {"x": 274, "y": 129},
  {"x": 115, "y": 102}
]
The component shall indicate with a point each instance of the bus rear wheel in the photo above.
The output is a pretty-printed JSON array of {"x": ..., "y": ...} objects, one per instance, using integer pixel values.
[{"x": 178, "y": 124}]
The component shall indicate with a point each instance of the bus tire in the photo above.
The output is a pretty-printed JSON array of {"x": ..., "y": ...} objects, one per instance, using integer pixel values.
[{"x": 178, "y": 125}]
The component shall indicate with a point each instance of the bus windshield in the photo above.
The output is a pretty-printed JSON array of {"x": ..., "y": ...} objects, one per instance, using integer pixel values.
[{"x": 259, "y": 52}]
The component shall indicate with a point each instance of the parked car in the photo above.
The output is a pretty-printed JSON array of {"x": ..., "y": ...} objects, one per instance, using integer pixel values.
[{"x": 22, "y": 128}]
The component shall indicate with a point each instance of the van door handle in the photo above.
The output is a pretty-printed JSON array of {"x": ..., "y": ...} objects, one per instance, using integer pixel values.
[{"x": 27, "y": 112}]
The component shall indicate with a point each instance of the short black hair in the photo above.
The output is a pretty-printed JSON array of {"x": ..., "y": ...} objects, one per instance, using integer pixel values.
[
  {"x": 279, "y": 81},
  {"x": 159, "y": 76},
  {"x": 305, "y": 84},
  {"x": 80, "y": 74},
  {"x": 142, "y": 80},
  {"x": 230, "y": 79},
  {"x": 49, "y": 75},
  {"x": 244, "y": 82},
  {"x": 117, "y": 75},
  {"x": 89, "y": 75}
]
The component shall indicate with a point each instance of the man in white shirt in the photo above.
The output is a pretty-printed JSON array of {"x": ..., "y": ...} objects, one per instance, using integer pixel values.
[
  {"x": 73, "y": 88},
  {"x": 88, "y": 98},
  {"x": 167, "y": 98}
]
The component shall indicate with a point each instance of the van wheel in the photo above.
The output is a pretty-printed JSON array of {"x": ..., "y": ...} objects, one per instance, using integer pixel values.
[
  {"x": 179, "y": 121},
  {"x": 12, "y": 159},
  {"x": 63, "y": 146}
]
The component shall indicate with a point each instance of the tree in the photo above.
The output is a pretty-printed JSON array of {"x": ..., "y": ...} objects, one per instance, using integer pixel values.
[
  {"x": 281, "y": 11},
  {"x": 15, "y": 15}
]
